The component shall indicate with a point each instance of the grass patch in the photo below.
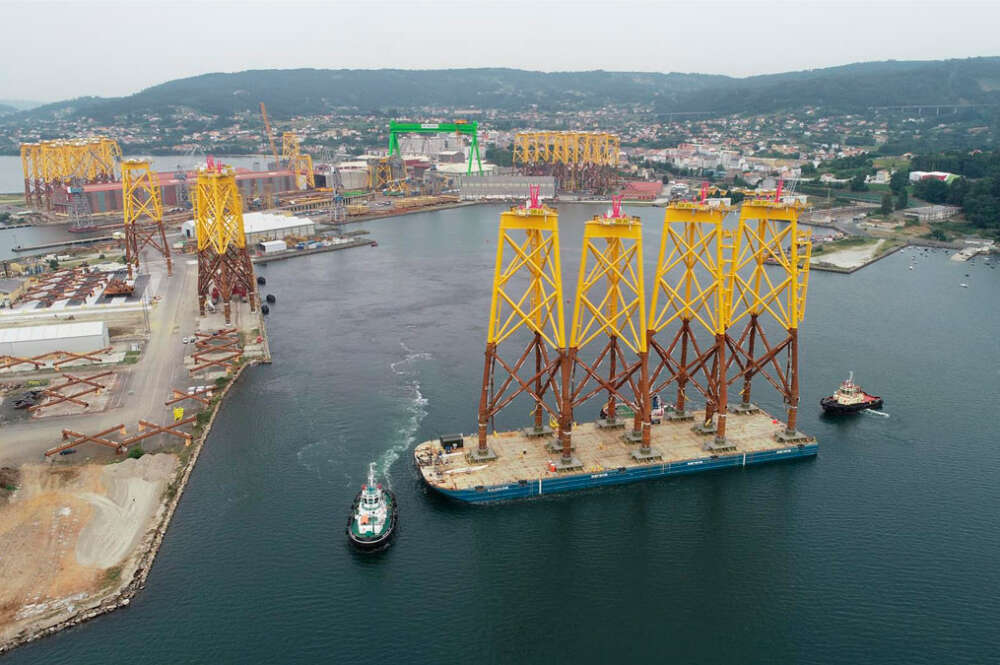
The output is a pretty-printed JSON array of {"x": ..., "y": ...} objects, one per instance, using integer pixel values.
[
  {"x": 841, "y": 243},
  {"x": 112, "y": 575},
  {"x": 131, "y": 357}
]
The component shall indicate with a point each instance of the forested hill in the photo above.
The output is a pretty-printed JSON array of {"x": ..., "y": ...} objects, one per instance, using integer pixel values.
[
  {"x": 312, "y": 91},
  {"x": 854, "y": 87}
]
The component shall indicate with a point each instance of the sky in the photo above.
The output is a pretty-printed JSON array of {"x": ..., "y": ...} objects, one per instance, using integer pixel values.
[{"x": 59, "y": 50}]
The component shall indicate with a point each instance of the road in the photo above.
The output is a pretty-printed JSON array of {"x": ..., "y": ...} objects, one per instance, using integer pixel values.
[{"x": 147, "y": 383}]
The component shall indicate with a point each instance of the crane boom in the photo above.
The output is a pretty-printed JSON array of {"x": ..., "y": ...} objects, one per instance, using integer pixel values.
[{"x": 267, "y": 130}]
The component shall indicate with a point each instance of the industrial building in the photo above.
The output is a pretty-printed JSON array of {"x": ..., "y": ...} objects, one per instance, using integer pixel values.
[
  {"x": 272, "y": 246},
  {"x": 504, "y": 187},
  {"x": 10, "y": 290},
  {"x": 261, "y": 226},
  {"x": 934, "y": 213},
  {"x": 80, "y": 337},
  {"x": 107, "y": 196}
]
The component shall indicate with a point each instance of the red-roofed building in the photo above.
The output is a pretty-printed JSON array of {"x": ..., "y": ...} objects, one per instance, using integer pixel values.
[{"x": 639, "y": 190}]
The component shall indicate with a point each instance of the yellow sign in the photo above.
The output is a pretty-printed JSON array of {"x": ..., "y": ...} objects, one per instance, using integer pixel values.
[{"x": 178, "y": 413}]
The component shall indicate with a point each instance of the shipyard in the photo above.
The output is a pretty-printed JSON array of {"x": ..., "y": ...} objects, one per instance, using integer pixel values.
[{"x": 338, "y": 335}]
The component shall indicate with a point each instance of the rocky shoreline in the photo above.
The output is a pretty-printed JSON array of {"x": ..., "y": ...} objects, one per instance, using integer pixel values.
[{"x": 137, "y": 571}]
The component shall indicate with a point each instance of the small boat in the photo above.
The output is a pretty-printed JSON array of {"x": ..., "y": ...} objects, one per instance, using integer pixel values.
[
  {"x": 373, "y": 515},
  {"x": 850, "y": 398}
]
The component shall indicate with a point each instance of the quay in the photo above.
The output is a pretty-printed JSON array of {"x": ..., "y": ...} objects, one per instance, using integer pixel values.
[
  {"x": 64, "y": 243},
  {"x": 278, "y": 256},
  {"x": 523, "y": 468}
]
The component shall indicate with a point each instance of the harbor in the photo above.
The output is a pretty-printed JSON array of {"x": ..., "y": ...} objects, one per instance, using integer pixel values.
[{"x": 233, "y": 554}]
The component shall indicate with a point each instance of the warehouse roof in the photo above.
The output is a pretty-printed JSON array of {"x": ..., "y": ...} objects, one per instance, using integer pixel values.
[
  {"x": 261, "y": 222},
  {"x": 10, "y": 285},
  {"x": 53, "y": 331},
  {"x": 256, "y": 222}
]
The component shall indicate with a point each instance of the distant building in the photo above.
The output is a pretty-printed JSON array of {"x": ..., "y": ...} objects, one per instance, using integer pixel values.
[
  {"x": 504, "y": 187},
  {"x": 637, "y": 190},
  {"x": 931, "y": 213},
  {"x": 916, "y": 176},
  {"x": 10, "y": 290}
]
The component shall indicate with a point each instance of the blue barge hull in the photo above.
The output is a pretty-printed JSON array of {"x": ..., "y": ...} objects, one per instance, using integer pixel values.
[{"x": 523, "y": 489}]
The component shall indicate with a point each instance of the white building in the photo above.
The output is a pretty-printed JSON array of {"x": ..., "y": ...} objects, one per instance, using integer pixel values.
[
  {"x": 260, "y": 226},
  {"x": 272, "y": 246},
  {"x": 33, "y": 341}
]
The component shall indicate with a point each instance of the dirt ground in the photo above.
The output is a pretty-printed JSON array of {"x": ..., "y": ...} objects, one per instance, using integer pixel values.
[{"x": 67, "y": 533}]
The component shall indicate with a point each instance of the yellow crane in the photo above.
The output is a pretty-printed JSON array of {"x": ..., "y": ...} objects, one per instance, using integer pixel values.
[{"x": 267, "y": 130}]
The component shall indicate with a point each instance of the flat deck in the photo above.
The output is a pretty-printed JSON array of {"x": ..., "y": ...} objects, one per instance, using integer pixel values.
[{"x": 521, "y": 458}]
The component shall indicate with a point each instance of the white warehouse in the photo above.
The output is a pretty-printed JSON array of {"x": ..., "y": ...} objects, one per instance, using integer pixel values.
[
  {"x": 261, "y": 226},
  {"x": 33, "y": 341}
]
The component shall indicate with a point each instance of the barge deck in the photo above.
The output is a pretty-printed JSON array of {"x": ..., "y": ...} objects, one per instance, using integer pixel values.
[{"x": 523, "y": 467}]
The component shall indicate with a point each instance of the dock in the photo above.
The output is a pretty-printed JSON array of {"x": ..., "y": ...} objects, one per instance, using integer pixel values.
[
  {"x": 63, "y": 243},
  {"x": 523, "y": 467},
  {"x": 278, "y": 256}
]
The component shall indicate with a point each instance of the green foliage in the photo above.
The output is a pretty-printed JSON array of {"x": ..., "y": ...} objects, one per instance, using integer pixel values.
[
  {"x": 858, "y": 184},
  {"x": 499, "y": 156},
  {"x": 971, "y": 165},
  {"x": 53, "y": 264},
  {"x": 938, "y": 234},
  {"x": 221, "y": 381},
  {"x": 902, "y": 199},
  {"x": 203, "y": 417},
  {"x": 299, "y": 92},
  {"x": 886, "y": 207},
  {"x": 931, "y": 190},
  {"x": 899, "y": 180},
  {"x": 808, "y": 169},
  {"x": 136, "y": 452}
]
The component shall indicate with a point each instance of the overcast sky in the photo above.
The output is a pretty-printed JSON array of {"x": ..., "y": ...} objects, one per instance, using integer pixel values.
[{"x": 52, "y": 51}]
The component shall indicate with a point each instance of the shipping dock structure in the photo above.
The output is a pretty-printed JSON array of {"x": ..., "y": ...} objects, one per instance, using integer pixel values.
[{"x": 635, "y": 388}]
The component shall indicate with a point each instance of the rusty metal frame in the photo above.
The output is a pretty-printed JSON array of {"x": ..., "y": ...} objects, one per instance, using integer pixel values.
[
  {"x": 60, "y": 397},
  {"x": 180, "y": 396},
  {"x": 146, "y": 429}
]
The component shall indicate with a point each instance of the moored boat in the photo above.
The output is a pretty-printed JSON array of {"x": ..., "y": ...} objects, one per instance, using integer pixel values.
[
  {"x": 850, "y": 398},
  {"x": 373, "y": 515}
]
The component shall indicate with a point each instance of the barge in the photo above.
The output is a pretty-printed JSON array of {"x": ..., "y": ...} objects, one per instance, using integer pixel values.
[{"x": 524, "y": 469}]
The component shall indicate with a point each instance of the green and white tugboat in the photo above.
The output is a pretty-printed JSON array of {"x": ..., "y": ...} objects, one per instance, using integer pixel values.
[{"x": 373, "y": 516}]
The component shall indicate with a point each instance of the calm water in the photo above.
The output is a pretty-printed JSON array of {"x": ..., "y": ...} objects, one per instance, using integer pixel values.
[{"x": 883, "y": 549}]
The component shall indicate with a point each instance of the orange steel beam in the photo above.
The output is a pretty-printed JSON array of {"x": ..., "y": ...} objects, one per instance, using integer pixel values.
[
  {"x": 90, "y": 381},
  {"x": 84, "y": 438},
  {"x": 180, "y": 396},
  {"x": 90, "y": 355},
  {"x": 60, "y": 398},
  {"x": 225, "y": 362},
  {"x": 159, "y": 429}
]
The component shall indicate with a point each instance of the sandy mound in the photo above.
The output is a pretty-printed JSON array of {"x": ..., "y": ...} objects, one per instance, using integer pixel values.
[{"x": 121, "y": 516}]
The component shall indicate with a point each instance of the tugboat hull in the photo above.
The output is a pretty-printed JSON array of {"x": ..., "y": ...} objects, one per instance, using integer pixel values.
[
  {"x": 377, "y": 542},
  {"x": 832, "y": 406}
]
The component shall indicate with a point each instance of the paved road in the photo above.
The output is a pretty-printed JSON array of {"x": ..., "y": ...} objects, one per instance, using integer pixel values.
[{"x": 147, "y": 383}]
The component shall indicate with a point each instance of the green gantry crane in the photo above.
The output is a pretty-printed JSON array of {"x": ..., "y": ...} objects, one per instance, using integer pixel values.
[{"x": 460, "y": 127}]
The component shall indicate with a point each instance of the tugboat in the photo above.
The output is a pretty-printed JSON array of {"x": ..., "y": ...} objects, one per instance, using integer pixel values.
[
  {"x": 850, "y": 398},
  {"x": 373, "y": 515}
]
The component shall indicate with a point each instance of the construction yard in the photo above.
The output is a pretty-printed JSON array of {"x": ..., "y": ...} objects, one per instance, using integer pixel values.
[{"x": 69, "y": 535}]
